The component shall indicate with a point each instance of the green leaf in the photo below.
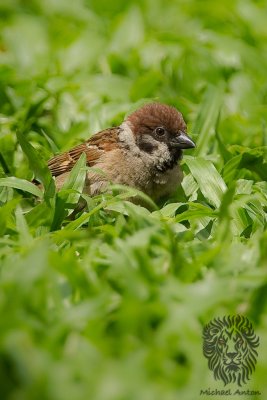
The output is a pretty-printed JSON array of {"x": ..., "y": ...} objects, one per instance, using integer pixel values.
[
  {"x": 51, "y": 142},
  {"x": 22, "y": 227},
  {"x": 21, "y": 184},
  {"x": 71, "y": 191},
  {"x": 76, "y": 178},
  {"x": 40, "y": 215},
  {"x": 5, "y": 213},
  {"x": 72, "y": 226},
  {"x": 128, "y": 208},
  {"x": 196, "y": 211},
  {"x": 169, "y": 210},
  {"x": 206, "y": 121},
  {"x": 252, "y": 160},
  {"x": 190, "y": 187},
  {"x": 208, "y": 178},
  {"x": 127, "y": 192},
  {"x": 37, "y": 164}
]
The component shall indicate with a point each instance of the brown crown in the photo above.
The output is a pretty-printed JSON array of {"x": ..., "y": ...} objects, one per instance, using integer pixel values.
[{"x": 156, "y": 114}]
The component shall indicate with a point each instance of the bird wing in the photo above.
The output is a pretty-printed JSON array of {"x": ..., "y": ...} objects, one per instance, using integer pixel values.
[{"x": 94, "y": 148}]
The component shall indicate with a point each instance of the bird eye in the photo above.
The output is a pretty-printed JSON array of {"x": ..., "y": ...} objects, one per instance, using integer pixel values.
[{"x": 160, "y": 131}]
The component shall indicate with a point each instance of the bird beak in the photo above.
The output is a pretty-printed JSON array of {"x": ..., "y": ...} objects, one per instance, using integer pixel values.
[{"x": 182, "y": 141}]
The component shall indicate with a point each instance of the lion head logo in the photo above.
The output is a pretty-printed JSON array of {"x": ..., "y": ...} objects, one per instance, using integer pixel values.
[{"x": 229, "y": 344}]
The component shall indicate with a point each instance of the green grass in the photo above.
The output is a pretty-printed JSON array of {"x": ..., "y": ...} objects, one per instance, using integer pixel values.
[{"x": 111, "y": 306}]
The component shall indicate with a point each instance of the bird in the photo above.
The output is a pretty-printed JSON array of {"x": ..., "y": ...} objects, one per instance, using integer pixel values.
[{"x": 143, "y": 152}]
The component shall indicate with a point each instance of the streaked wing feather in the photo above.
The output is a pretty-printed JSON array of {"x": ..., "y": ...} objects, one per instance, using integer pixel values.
[{"x": 94, "y": 148}]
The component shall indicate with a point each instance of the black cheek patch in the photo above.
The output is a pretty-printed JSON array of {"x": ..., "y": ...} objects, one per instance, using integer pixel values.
[{"x": 146, "y": 146}]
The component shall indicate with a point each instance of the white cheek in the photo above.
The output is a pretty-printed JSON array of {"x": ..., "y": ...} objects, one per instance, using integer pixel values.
[
  {"x": 162, "y": 153},
  {"x": 126, "y": 135},
  {"x": 158, "y": 156}
]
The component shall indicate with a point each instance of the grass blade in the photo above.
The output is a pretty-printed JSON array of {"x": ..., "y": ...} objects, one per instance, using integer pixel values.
[
  {"x": 21, "y": 184},
  {"x": 206, "y": 121},
  {"x": 70, "y": 193},
  {"x": 37, "y": 164},
  {"x": 208, "y": 178}
]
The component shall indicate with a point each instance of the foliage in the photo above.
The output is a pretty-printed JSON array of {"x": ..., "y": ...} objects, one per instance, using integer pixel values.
[{"x": 112, "y": 305}]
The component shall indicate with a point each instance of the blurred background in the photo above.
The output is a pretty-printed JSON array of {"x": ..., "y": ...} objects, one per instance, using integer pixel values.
[
  {"x": 67, "y": 69},
  {"x": 80, "y": 66}
]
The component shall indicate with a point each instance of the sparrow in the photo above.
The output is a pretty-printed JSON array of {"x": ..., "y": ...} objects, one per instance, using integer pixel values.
[{"x": 143, "y": 153}]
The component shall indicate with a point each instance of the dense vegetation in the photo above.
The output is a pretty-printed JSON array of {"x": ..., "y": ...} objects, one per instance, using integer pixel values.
[{"x": 111, "y": 306}]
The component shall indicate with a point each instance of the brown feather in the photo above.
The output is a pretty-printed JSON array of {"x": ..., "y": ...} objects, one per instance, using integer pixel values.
[
  {"x": 156, "y": 114},
  {"x": 94, "y": 148}
]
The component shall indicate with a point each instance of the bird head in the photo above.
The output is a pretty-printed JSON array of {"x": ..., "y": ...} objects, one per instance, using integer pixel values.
[{"x": 159, "y": 123}]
